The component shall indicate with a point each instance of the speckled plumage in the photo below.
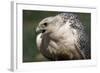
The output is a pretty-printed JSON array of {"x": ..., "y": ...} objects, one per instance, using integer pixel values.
[{"x": 62, "y": 37}]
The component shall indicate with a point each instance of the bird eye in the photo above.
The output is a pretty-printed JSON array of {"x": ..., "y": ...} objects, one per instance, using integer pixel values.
[{"x": 45, "y": 24}]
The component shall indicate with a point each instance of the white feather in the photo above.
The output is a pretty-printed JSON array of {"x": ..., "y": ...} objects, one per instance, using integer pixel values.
[{"x": 39, "y": 40}]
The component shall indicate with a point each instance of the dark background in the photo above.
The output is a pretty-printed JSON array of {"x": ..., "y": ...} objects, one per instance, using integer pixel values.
[{"x": 30, "y": 21}]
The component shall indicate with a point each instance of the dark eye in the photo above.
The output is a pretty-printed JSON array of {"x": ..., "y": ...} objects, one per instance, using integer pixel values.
[{"x": 45, "y": 24}]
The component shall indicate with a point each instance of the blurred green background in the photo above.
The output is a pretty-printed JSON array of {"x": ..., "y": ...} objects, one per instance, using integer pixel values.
[{"x": 30, "y": 21}]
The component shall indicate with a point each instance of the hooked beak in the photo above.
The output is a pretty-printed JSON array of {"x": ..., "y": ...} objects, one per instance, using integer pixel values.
[{"x": 38, "y": 30}]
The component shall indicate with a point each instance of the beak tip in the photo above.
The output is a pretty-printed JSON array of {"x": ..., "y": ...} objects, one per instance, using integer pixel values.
[{"x": 37, "y": 29}]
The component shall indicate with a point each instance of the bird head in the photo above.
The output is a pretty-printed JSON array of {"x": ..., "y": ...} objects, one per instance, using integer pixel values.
[
  {"x": 49, "y": 24},
  {"x": 59, "y": 25}
]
